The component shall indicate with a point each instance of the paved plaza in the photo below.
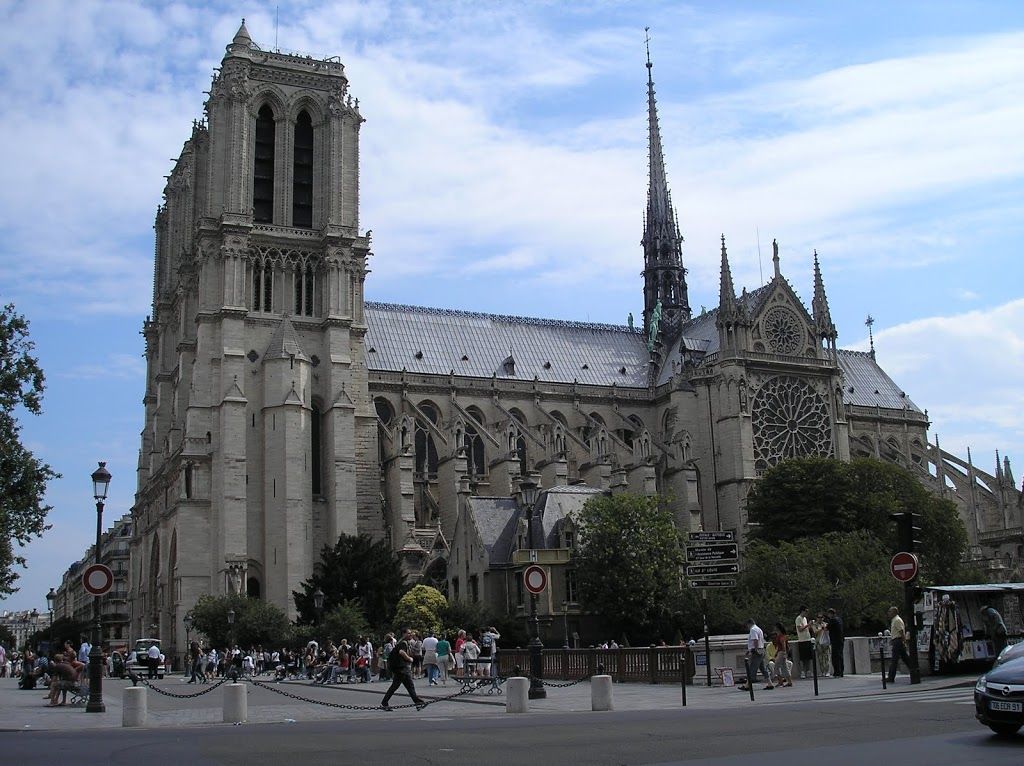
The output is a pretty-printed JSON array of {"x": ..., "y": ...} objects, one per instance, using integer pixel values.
[{"x": 26, "y": 710}]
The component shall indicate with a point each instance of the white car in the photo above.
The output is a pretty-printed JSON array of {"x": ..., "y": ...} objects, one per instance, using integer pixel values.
[{"x": 138, "y": 659}]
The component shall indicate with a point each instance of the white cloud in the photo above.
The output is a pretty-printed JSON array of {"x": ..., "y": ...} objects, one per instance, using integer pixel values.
[
  {"x": 121, "y": 366},
  {"x": 968, "y": 369}
]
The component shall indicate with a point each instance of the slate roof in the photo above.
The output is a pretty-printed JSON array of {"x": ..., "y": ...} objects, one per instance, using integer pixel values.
[
  {"x": 867, "y": 385},
  {"x": 436, "y": 341},
  {"x": 495, "y": 520},
  {"x": 555, "y": 504},
  {"x": 285, "y": 342}
]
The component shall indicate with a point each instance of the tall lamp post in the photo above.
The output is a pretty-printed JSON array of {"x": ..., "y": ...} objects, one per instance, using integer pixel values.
[
  {"x": 231, "y": 630},
  {"x": 318, "y": 605},
  {"x": 51, "y": 597},
  {"x": 187, "y": 622},
  {"x": 530, "y": 491},
  {"x": 100, "y": 485}
]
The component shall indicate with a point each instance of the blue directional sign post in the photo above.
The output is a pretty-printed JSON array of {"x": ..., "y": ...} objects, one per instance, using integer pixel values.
[{"x": 712, "y": 561}]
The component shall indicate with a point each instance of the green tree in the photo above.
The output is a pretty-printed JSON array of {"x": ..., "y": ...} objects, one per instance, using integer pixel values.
[
  {"x": 23, "y": 478},
  {"x": 809, "y": 497},
  {"x": 346, "y": 620},
  {"x": 846, "y": 570},
  {"x": 421, "y": 609},
  {"x": 6, "y": 638},
  {"x": 628, "y": 564},
  {"x": 356, "y": 568},
  {"x": 256, "y": 621}
]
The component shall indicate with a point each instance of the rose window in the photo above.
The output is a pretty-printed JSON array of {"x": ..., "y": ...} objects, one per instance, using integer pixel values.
[
  {"x": 790, "y": 419},
  {"x": 783, "y": 331}
]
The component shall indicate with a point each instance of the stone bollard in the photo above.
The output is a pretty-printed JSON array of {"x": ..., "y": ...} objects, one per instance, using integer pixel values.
[
  {"x": 235, "y": 703},
  {"x": 516, "y": 691},
  {"x": 134, "y": 707},
  {"x": 601, "y": 693}
]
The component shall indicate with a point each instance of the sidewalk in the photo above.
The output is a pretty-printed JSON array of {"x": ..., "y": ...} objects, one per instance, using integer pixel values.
[{"x": 26, "y": 710}]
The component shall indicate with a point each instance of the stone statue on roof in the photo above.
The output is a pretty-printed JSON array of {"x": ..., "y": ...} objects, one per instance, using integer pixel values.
[{"x": 655, "y": 321}]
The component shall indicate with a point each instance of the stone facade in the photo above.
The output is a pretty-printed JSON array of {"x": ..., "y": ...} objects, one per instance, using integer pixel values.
[{"x": 282, "y": 409}]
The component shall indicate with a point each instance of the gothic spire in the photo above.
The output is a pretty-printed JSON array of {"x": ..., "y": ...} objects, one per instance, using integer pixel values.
[
  {"x": 726, "y": 292},
  {"x": 242, "y": 35},
  {"x": 664, "y": 275},
  {"x": 819, "y": 304}
]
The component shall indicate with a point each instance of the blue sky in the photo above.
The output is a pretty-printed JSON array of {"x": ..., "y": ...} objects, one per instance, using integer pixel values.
[{"x": 504, "y": 170}]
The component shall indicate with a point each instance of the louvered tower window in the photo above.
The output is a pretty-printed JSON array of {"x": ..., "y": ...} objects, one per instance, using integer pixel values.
[
  {"x": 263, "y": 172},
  {"x": 302, "y": 173}
]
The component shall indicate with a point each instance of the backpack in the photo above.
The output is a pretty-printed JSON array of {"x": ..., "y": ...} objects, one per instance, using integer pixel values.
[
  {"x": 395, "y": 661},
  {"x": 486, "y": 641}
]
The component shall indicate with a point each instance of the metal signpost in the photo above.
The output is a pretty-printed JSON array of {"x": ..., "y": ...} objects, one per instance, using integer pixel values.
[{"x": 712, "y": 560}]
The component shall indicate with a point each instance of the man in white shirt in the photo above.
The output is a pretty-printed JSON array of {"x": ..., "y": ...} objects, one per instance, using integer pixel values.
[
  {"x": 755, "y": 656},
  {"x": 153, "y": 653},
  {"x": 430, "y": 658}
]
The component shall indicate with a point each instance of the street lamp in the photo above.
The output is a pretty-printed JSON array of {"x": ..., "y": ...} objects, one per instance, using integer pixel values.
[
  {"x": 565, "y": 623},
  {"x": 51, "y": 597},
  {"x": 100, "y": 485},
  {"x": 529, "y": 491},
  {"x": 231, "y": 628},
  {"x": 318, "y": 604}
]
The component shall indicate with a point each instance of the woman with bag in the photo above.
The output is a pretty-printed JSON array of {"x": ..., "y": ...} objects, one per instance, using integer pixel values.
[{"x": 781, "y": 642}]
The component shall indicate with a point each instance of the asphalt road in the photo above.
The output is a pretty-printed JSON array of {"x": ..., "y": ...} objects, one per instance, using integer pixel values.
[{"x": 932, "y": 731}]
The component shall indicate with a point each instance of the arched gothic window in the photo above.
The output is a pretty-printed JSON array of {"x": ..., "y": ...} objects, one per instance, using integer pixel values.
[
  {"x": 304, "y": 284},
  {"x": 263, "y": 167},
  {"x": 262, "y": 287},
  {"x": 476, "y": 459},
  {"x": 426, "y": 450},
  {"x": 302, "y": 173}
]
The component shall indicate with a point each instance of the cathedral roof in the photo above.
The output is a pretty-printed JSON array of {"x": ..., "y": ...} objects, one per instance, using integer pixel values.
[
  {"x": 285, "y": 342},
  {"x": 495, "y": 521},
  {"x": 439, "y": 341},
  {"x": 867, "y": 385}
]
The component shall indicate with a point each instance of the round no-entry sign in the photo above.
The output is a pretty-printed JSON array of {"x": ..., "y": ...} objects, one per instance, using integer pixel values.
[
  {"x": 535, "y": 579},
  {"x": 97, "y": 579},
  {"x": 904, "y": 566}
]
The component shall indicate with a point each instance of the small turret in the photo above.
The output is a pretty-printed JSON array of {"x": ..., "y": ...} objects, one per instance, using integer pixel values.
[
  {"x": 819, "y": 307},
  {"x": 726, "y": 291}
]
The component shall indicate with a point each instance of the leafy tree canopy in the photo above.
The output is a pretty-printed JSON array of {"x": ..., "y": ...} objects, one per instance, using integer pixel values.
[
  {"x": 346, "y": 620},
  {"x": 257, "y": 623},
  {"x": 473, "y": 615},
  {"x": 356, "y": 569},
  {"x": 23, "y": 478},
  {"x": 421, "y": 609},
  {"x": 628, "y": 563},
  {"x": 809, "y": 497}
]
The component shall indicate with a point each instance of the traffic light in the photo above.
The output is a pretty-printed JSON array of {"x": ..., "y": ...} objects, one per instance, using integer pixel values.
[{"x": 909, "y": 526}]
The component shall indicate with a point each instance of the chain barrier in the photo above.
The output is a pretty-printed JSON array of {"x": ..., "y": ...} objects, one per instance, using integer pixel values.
[
  {"x": 199, "y": 693},
  {"x": 468, "y": 689},
  {"x": 552, "y": 684}
]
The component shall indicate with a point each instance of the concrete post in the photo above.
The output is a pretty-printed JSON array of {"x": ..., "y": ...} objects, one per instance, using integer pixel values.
[
  {"x": 601, "y": 693},
  {"x": 134, "y": 707},
  {"x": 516, "y": 690},
  {"x": 235, "y": 703}
]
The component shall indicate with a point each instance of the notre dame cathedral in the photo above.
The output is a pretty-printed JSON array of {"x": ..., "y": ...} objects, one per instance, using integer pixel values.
[{"x": 282, "y": 408}]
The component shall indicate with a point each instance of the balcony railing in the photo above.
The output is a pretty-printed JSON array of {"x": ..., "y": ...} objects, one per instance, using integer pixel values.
[{"x": 654, "y": 665}]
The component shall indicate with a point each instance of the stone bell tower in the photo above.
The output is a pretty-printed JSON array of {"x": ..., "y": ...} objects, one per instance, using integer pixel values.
[{"x": 260, "y": 442}]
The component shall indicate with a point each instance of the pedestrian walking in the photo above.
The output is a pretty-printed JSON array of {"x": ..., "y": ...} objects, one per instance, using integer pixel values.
[
  {"x": 430, "y": 658},
  {"x": 995, "y": 628},
  {"x": 444, "y": 658},
  {"x": 755, "y": 656},
  {"x": 822, "y": 646},
  {"x": 898, "y": 632},
  {"x": 803, "y": 635},
  {"x": 400, "y": 665},
  {"x": 837, "y": 641}
]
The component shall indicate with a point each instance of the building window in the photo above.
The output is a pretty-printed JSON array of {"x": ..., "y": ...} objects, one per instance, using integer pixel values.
[
  {"x": 475, "y": 458},
  {"x": 263, "y": 170},
  {"x": 572, "y": 591},
  {"x": 304, "y": 284},
  {"x": 474, "y": 588},
  {"x": 455, "y": 589},
  {"x": 519, "y": 588},
  {"x": 302, "y": 170},
  {"x": 262, "y": 288}
]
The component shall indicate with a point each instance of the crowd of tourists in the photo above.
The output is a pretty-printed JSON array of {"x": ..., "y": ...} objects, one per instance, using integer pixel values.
[{"x": 435, "y": 656}]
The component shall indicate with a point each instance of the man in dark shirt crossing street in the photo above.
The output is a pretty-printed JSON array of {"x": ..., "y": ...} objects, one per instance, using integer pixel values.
[
  {"x": 400, "y": 665},
  {"x": 837, "y": 638}
]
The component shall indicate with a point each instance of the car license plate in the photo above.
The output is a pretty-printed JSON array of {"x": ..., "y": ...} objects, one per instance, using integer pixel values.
[{"x": 1006, "y": 707}]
